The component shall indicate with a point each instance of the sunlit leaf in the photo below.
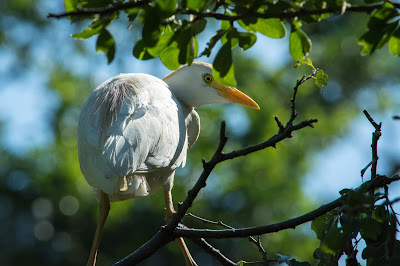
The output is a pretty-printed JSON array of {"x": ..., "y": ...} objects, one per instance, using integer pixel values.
[
  {"x": 195, "y": 4},
  {"x": 169, "y": 56},
  {"x": 231, "y": 36},
  {"x": 394, "y": 43},
  {"x": 299, "y": 44},
  {"x": 94, "y": 29},
  {"x": 271, "y": 27},
  {"x": 321, "y": 79},
  {"x": 70, "y": 5},
  {"x": 376, "y": 38},
  {"x": 193, "y": 49}
]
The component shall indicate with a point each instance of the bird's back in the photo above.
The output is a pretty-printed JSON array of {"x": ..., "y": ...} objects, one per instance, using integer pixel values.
[{"x": 132, "y": 136}]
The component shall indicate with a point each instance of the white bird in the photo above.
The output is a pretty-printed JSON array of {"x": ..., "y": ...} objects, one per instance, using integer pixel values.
[{"x": 135, "y": 130}]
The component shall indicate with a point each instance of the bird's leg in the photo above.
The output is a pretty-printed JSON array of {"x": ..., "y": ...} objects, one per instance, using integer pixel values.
[
  {"x": 104, "y": 209},
  {"x": 169, "y": 211}
]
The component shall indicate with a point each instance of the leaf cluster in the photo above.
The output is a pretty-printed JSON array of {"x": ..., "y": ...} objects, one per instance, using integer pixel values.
[
  {"x": 170, "y": 28},
  {"x": 362, "y": 216}
]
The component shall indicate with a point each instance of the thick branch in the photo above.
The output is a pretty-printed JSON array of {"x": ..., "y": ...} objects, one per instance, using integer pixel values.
[
  {"x": 161, "y": 238},
  {"x": 258, "y": 230},
  {"x": 379, "y": 181}
]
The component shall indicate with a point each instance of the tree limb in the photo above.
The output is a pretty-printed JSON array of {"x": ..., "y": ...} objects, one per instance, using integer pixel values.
[
  {"x": 287, "y": 14},
  {"x": 379, "y": 181}
]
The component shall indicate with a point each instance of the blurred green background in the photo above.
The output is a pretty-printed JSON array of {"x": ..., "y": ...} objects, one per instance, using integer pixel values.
[{"x": 48, "y": 212}]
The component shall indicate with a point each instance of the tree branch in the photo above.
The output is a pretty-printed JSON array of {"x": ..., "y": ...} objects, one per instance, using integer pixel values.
[
  {"x": 101, "y": 11},
  {"x": 287, "y": 14},
  {"x": 251, "y": 239},
  {"x": 379, "y": 181},
  {"x": 213, "y": 251}
]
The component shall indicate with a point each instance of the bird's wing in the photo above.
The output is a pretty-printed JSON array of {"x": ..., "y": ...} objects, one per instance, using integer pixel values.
[{"x": 146, "y": 132}]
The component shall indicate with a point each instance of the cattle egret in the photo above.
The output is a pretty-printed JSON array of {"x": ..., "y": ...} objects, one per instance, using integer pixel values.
[{"x": 135, "y": 130}]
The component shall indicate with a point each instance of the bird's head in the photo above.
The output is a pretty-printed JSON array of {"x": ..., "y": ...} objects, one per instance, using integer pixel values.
[{"x": 195, "y": 85}]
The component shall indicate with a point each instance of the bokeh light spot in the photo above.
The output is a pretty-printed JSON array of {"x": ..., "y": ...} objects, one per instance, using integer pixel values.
[
  {"x": 69, "y": 205},
  {"x": 44, "y": 230},
  {"x": 42, "y": 208}
]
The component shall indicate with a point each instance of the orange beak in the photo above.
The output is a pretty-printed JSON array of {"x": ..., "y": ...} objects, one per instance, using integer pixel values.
[{"x": 235, "y": 96}]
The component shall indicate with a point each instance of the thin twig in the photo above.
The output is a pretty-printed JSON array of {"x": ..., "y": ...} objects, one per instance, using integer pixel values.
[
  {"x": 251, "y": 239},
  {"x": 375, "y": 137},
  {"x": 216, "y": 253}
]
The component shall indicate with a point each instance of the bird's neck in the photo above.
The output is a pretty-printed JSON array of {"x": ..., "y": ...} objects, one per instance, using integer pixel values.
[{"x": 185, "y": 93}]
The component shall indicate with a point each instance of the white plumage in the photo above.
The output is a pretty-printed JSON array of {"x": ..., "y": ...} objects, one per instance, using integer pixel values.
[{"x": 135, "y": 130}]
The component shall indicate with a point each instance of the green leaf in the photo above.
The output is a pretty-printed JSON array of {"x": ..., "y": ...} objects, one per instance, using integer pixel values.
[
  {"x": 187, "y": 44},
  {"x": 376, "y": 38},
  {"x": 321, "y": 79},
  {"x": 70, "y": 5},
  {"x": 95, "y": 28},
  {"x": 333, "y": 241},
  {"x": 214, "y": 39},
  {"x": 195, "y": 4},
  {"x": 198, "y": 26},
  {"x": 163, "y": 41},
  {"x": 106, "y": 44},
  {"x": 231, "y": 36},
  {"x": 132, "y": 14},
  {"x": 151, "y": 33},
  {"x": 307, "y": 62},
  {"x": 324, "y": 223},
  {"x": 248, "y": 24},
  {"x": 380, "y": 28},
  {"x": 168, "y": 6},
  {"x": 223, "y": 70},
  {"x": 193, "y": 49},
  {"x": 394, "y": 43},
  {"x": 140, "y": 51},
  {"x": 382, "y": 16},
  {"x": 169, "y": 56},
  {"x": 271, "y": 27},
  {"x": 371, "y": 229},
  {"x": 299, "y": 44},
  {"x": 223, "y": 60},
  {"x": 325, "y": 259},
  {"x": 246, "y": 40}
]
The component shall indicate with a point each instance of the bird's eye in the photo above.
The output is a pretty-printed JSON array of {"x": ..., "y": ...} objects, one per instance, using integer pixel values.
[{"x": 208, "y": 78}]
